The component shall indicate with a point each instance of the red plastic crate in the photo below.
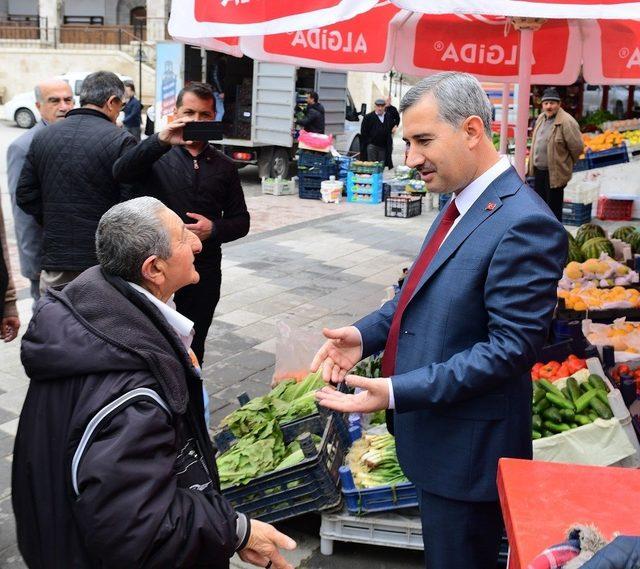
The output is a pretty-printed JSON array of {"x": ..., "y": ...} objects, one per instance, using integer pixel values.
[{"x": 614, "y": 210}]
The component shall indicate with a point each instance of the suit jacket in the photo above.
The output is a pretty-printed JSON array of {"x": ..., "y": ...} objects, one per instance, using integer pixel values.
[
  {"x": 28, "y": 231},
  {"x": 468, "y": 338},
  {"x": 370, "y": 124}
]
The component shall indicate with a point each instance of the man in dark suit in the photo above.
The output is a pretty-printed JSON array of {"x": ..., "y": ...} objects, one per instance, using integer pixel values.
[{"x": 461, "y": 335}]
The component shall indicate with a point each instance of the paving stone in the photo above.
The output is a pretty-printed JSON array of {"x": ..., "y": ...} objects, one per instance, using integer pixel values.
[
  {"x": 10, "y": 427},
  {"x": 5, "y": 477},
  {"x": 260, "y": 331},
  {"x": 222, "y": 374},
  {"x": 240, "y": 317},
  {"x": 253, "y": 360},
  {"x": 6, "y": 445},
  {"x": 277, "y": 304},
  {"x": 9, "y": 382},
  {"x": 224, "y": 346},
  {"x": 12, "y": 401}
]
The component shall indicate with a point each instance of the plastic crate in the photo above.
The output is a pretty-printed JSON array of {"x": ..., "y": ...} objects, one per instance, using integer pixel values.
[
  {"x": 310, "y": 486},
  {"x": 278, "y": 187},
  {"x": 310, "y": 159},
  {"x": 579, "y": 166},
  {"x": 403, "y": 206},
  {"x": 390, "y": 530},
  {"x": 382, "y": 499},
  {"x": 309, "y": 187},
  {"x": 364, "y": 188},
  {"x": 614, "y": 210},
  {"x": 322, "y": 172},
  {"x": 366, "y": 168},
  {"x": 611, "y": 157},
  {"x": 576, "y": 213}
]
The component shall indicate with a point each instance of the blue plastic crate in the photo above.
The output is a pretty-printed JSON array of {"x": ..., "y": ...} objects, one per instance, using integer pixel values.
[
  {"x": 576, "y": 213},
  {"x": 579, "y": 166},
  {"x": 309, "y": 187},
  {"x": 364, "y": 188},
  {"x": 313, "y": 485},
  {"x": 611, "y": 157},
  {"x": 322, "y": 172},
  {"x": 381, "y": 499},
  {"x": 311, "y": 159}
]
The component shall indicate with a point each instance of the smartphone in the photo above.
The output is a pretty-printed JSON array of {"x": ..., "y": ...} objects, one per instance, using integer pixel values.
[{"x": 202, "y": 130}]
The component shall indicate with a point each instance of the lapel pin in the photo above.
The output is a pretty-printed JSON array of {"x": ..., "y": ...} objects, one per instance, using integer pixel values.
[{"x": 490, "y": 206}]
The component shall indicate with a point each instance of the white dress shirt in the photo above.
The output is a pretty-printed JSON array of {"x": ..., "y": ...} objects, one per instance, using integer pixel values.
[
  {"x": 464, "y": 200},
  {"x": 182, "y": 326}
]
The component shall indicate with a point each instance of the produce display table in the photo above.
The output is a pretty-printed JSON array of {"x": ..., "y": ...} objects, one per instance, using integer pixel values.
[{"x": 540, "y": 500}]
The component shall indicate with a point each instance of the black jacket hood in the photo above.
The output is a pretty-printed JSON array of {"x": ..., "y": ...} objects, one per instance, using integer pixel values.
[{"x": 97, "y": 324}]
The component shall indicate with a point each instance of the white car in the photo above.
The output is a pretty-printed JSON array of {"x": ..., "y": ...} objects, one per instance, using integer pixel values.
[{"x": 22, "y": 108}]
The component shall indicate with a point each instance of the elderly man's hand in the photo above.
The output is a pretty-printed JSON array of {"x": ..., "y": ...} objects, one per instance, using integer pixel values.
[
  {"x": 339, "y": 354},
  {"x": 172, "y": 134},
  {"x": 202, "y": 228},
  {"x": 263, "y": 546},
  {"x": 373, "y": 397},
  {"x": 9, "y": 327}
]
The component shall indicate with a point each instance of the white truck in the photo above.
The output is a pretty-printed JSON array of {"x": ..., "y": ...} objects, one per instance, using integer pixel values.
[{"x": 260, "y": 101}]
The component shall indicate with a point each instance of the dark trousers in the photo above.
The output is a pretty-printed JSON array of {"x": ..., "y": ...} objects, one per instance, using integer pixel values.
[
  {"x": 376, "y": 153},
  {"x": 198, "y": 302},
  {"x": 553, "y": 197},
  {"x": 460, "y": 535}
]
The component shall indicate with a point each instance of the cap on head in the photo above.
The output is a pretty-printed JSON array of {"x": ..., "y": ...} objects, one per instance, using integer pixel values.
[
  {"x": 379, "y": 102},
  {"x": 550, "y": 94}
]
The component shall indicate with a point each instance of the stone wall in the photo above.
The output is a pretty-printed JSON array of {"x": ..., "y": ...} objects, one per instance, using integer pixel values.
[{"x": 21, "y": 69}]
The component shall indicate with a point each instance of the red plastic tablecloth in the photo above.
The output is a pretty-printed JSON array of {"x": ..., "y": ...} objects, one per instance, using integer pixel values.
[{"x": 540, "y": 500}]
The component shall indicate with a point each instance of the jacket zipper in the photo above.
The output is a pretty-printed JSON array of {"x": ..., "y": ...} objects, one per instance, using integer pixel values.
[{"x": 196, "y": 166}]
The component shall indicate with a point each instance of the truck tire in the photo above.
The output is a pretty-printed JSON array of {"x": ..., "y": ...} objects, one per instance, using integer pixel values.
[{"x": 280, "y": 163}]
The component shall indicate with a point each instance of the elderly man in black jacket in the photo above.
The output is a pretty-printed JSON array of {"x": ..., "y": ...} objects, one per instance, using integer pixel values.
[
  {"x": 203, "y": 187},
  {"x": 66, "y": 182},
  {"x": 112, "y": 464}
]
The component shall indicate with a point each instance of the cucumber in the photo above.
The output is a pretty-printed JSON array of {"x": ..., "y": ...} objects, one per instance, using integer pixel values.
[
  {"x": 567, "y": 414},
  {"x": 552, "y": 414},
  {"x": 586, "y": 387},
  {"x": 536, "y": 435},
  {"x": 547, "y": 433},
  {"x": 556, "y": 427},
  {"x": 582, "y": 419},
  {"x": 574, "y": 425},
  {"x": 592, "y": 415},
  {"x": 538, "y": 395},
  {"x": 600, "y": 408},
  {"x": 549, "y": 387},
  {"x": 602, "y": 395},
  {"x": 536, "y": 422},
  {"x": 598, "y": 382},
  {"x": 559, "y": 401},
  {"x": 574, "y": 389},
  {"x": 565, "y": 393},
  {"x": 540, "y": 407},
  {"x": 583, "y": 401}
]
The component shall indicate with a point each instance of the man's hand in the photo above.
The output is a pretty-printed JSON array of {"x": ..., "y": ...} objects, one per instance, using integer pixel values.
[
  {"x": 375, "y": 395},
  {"x": 339, "y": 354},
  {"x": 172, "y": 134},
  {"x": 9, "y": 328},
  {"x": 264, "y": 544},
  {"x": 203, "y": 228}
]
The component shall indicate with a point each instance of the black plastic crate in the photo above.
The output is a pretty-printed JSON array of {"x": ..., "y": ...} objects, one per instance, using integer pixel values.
[
  {"x": 322, "y": 172},
  {"x": 576, "y": 213},
  {"x": 309, "y": 186},
  {"x": 310, "y": 486},
  {"x": 402, "y": 206},
  {"x": 311, "y": 159},
  {"x": 611, "y": 157},
  {"x": 598, "y": 316}
]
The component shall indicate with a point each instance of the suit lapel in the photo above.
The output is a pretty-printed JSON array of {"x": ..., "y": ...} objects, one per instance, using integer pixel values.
[{"x": 506, "y": 184}]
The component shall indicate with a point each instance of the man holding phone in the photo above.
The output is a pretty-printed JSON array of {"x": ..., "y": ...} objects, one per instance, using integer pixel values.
[{"x": 202, "y": 186}]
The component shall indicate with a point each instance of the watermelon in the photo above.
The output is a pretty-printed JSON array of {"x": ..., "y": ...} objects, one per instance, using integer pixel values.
[
  {"x": 634, "y": 241},
  {"x": 575, "y": 254},
  {"x": 593, "y": 247},
  {"x": 624, "y": 233},
  {"x": 589, "y": 231}
]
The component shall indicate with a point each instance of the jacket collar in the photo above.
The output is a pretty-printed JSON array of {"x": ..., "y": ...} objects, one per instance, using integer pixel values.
[
  {"x": 128, "y": 321},
  {"x": 506, "y": 184},
  {"x": 90, "y": 112}
]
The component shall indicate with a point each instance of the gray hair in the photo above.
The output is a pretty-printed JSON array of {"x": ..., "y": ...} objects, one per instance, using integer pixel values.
[
  {"x": 98, "y": 87},
  {"x": 459, "y": 96},
  {"x": 128, "y": 234},
  {"x": 38, "y": 93}
]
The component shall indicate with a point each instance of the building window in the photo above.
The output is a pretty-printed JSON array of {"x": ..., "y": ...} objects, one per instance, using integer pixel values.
[{"x": 86, "y": 20}]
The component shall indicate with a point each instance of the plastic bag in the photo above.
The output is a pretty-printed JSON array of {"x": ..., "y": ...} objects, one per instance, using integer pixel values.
[{"x": 295, "y": 350}]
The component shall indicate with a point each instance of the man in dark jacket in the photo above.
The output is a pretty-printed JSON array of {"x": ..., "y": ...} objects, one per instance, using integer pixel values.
[
  {"x": 376, "y": 133},
  {"x": 132, "y": 120},
  {"x": 66, "y": 182},
  {"x": 203, "y": 187},
  {"x": 112, "y": 465},
  {"x": 313, "y": 120}
]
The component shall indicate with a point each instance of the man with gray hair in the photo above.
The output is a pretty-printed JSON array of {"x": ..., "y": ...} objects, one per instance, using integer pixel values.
[
  {"x": 112, "y": 465},
  {"x": 66, "y": 182},
  {"x": 54, "y": 99},
  {"x": 460, "y": 337}
]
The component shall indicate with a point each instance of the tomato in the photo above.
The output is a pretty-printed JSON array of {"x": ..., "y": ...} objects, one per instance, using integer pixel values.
[
  {"x": 535, "y": 371},
  {"x": 624, "y": 369},
  {"x": 547, "y": 371},
  {"x": 562, "y": 371}
]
